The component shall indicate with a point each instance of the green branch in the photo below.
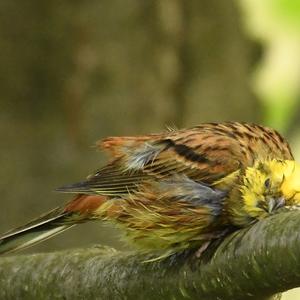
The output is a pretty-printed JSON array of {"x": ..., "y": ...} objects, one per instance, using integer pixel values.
[{"x": 254, "y": 263}]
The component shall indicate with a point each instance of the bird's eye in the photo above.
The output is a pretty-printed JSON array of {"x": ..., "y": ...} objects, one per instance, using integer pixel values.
[{"x": 267, "y": 183}]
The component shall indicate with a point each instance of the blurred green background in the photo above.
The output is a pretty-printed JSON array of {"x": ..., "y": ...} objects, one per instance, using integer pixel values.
[{"x": 76, "y": 71}]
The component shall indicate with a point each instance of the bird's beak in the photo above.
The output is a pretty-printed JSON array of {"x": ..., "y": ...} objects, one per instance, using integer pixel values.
[{"x": 275, "y": 203}]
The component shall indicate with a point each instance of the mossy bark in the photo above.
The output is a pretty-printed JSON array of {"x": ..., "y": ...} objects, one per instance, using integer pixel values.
[{"x": 254, "y": 263}]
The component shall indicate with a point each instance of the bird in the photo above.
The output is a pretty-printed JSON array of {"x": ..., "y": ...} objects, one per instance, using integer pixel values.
[{"x": 179, "y": 189}]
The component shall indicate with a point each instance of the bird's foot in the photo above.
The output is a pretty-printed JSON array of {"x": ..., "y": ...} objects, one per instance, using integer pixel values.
[{"x": 202, "y": 249}]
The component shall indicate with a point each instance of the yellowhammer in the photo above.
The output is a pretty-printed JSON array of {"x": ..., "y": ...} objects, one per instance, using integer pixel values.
[{"x": 178, "y": 189}]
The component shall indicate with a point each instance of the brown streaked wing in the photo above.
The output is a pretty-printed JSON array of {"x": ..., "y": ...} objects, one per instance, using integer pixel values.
[
  {"x": 204, "y": 153},
  {"x": 211, "y": 151}
]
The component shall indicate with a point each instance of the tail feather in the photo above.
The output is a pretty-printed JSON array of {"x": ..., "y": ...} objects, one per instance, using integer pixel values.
[{"x": 36, "y": 231}]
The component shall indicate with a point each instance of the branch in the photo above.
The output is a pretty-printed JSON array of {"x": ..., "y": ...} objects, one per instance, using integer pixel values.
[{"x": 253, "y": 263}]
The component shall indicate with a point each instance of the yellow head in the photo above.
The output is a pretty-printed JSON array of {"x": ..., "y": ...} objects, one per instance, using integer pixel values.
[{"x": 268, "y": 186}]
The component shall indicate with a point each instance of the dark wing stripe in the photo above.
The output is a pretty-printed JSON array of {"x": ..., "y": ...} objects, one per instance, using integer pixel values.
[
  {"x": 86, "y": 186},
  {"x": 97, "y": 190},
  {"x": 115, "y": 185},
  {"x": 185, "y": 151},
  {"x": 115, "y": 179}
]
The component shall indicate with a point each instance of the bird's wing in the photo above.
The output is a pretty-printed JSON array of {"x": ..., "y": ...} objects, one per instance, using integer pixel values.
[
  {"x": 205, "y": 153},
  {"x": 112, "y": 180}
]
